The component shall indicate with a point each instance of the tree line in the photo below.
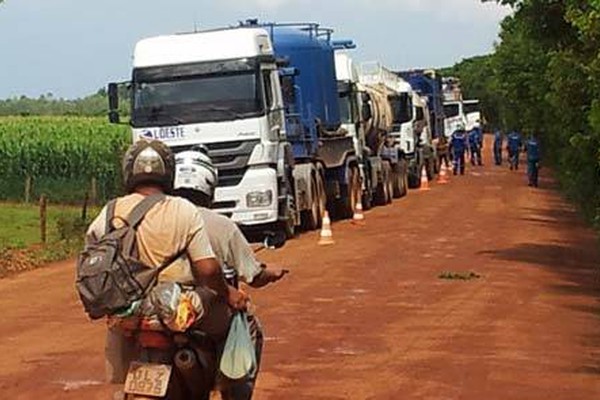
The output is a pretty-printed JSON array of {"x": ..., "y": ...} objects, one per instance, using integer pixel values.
[
  {"x": 95, "y": 105},
  {"x": 544, "y": 78}
]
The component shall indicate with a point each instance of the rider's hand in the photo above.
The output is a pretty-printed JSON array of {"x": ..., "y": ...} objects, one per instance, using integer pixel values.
[
  {"x": 278, "y": 274},
  {"x": 237, "y": 299}
]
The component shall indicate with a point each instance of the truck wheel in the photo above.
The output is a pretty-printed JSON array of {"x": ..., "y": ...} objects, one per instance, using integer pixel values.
[
  {"x": 367, "y": 200},
  {"x": 390, "y": 184},
  {"x": 397, "y": 181},
  {"x": 404, "y": 190},
  {"x": 322, "y": 197},
  {"x": 414, "y": 179},
  {"x": 311, "y": 217},
  {"x": 430, "y": 169},
  {"x": 385, "y": 187},
  {"x": 287, "y": 208},
  {"x": 350, "y": 195}
]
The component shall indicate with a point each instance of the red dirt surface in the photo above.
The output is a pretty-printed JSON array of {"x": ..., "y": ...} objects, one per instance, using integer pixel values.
[{"x": 369, "y": 318}]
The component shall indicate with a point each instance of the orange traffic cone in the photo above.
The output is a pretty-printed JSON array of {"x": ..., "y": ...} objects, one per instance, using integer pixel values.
[
  {"x": 358, "y": 218},
  {"x": 443, "y": 177},
  {"x": 326, "y": 237},
  {"x": 424, "y": 181}
]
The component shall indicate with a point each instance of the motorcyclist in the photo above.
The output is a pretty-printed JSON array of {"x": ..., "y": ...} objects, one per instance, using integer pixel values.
[
  {"x": 172, "y": 225},
  {"x": 458, "y": 146},
  {"x": 196, "y": 179}
]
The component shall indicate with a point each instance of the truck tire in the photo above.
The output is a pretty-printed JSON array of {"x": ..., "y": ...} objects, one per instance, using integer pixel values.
[
  {"x": 311, "y": 217},
  {"x": 350, "y": 195},
  {"x": 385, "y": 187},
  {"x": 322, "y": 196},
  {"x": 287, "y": 209},
  {"x": 430, "y": 169},
  {"x": 397, "y": 181},
  {"x": 414, "y": 179},
  {"x": 404, "y": 177}
]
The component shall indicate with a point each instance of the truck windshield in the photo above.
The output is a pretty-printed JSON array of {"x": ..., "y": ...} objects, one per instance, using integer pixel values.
[
  {"x": 451, "y": 110},
  {"x": 401, "y": 108},
  {"x": 348, "y": 108},
  {"x": 197, "y": 99},
  {"x": 471, "y": 108}
]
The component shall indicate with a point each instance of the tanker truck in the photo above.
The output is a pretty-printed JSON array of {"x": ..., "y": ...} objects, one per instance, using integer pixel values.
[
  {"x": 367, "y": 117},
  {"x": 428, "y": 84},
  {"x": 262, "y": 98},
  {"x": 390, "y": 108}
]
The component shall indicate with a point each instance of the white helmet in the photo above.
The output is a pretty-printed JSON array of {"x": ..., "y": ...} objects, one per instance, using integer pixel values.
[{"x": 195, "y": 170}]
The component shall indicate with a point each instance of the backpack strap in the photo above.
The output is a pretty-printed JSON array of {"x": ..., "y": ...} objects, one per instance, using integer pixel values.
[
  {"x": 110, "y": 215},
  {"x": 141, "y": 209}
]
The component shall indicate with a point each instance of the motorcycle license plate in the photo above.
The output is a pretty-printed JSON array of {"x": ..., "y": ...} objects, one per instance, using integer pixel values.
[{"x": 148, "y": 379}]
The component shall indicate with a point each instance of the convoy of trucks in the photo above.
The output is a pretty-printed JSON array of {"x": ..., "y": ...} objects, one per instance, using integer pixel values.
[{"x": 293, "y": 124}]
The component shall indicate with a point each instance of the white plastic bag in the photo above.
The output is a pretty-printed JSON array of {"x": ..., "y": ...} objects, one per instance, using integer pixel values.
[{"x": 239, "y": 356}]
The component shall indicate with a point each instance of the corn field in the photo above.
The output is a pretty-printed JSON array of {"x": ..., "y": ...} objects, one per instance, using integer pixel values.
[{"x": 64, "y": 158}]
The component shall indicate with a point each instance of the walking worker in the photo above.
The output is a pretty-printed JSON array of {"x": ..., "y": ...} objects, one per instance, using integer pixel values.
[
  {"x": 498, "y": 139},
  {"x": 475, "y": 143},
  {"x": 533, "y": 160},
  {"x": 458, "y": 146},
  {"x": 443, "y": 151},
  {"x": 515, "y": 144}
]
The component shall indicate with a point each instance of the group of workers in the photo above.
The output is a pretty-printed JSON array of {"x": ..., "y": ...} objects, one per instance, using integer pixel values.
[
  {"x": 514, "y": 147},
  {"x": 462, "y": 144}
]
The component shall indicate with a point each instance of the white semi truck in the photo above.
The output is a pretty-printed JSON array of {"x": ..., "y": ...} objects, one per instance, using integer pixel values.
[
  {"x": 262, "y": 98},
  {"x": 367, "y": 116},
  {"x": 472, "y": 113}
]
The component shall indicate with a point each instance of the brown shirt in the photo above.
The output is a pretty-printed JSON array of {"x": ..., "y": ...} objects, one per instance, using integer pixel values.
[{"x": 164, "y": 231}]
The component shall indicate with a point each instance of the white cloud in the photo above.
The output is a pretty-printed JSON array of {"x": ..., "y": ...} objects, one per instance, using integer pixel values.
[{"x": 440, "y": 9}]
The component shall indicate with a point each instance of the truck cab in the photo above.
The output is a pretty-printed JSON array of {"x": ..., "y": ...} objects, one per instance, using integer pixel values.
[
  {"x": 455, "y": 117},
  {"x": 472, "y": 114},
  {"x": 220, "y": 89}
]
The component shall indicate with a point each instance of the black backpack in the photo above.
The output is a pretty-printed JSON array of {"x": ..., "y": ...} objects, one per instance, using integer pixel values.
[{"x": 110, "y": 276}]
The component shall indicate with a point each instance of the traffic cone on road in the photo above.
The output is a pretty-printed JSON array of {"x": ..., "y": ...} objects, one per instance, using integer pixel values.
[
  {"x": 424, "y": 181},
  {"x": 443, "y": 177},
  {"x": 358, "y": 218},
  {"x": 326, "y": 236}
]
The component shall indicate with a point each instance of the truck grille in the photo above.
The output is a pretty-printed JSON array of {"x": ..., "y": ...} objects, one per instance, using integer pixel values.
[{"x": 230, "y": 158}]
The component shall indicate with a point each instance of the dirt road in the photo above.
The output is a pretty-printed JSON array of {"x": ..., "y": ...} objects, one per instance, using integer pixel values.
[{"x": 369, "y": 318}]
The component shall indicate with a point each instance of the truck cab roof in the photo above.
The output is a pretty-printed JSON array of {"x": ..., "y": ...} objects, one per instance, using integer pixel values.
[{"x": 225, "y": 44}]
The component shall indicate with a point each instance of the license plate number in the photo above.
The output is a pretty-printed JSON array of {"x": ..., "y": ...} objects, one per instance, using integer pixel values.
[{"x": 148, "y": 379}]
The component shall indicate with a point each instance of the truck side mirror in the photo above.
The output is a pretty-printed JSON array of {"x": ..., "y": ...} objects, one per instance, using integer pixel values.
[
  {"x": 113, "y": 103},
  {"x": 367, "y": 114}
]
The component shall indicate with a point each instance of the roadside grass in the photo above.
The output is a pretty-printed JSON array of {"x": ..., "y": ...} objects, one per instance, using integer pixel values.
[
  {"x": 460, "y": 276},
  {"x": 21, "y": 247},
  {"x": 20, "y": 223}
]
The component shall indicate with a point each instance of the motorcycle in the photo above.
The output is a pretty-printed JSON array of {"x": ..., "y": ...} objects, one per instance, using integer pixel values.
[{"x": 176, "y": 365}]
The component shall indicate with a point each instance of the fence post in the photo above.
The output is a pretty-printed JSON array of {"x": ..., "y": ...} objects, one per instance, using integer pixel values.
[
  {"x": 86, "y": 199},
  {"x": 43, "y": 217},
  {"x": 27, "y": 189},
  {"x": 94, "y": 191}
]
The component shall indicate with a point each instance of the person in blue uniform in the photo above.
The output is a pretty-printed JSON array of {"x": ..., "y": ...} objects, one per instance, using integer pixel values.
[
  {"x": 533, "y": 160},
  {"x": 498, "y": 139},
  {"x": 514, "y": 147},
  {"x": 475, "y": 144},
  {"x": 458, "y": 146}
]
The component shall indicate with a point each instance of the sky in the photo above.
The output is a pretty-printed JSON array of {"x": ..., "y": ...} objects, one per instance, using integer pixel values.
[{"x": 71, "y": 48}]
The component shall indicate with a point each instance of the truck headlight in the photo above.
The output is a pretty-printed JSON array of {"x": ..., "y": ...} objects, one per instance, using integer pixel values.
[{"x": 259, "y": 198}]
